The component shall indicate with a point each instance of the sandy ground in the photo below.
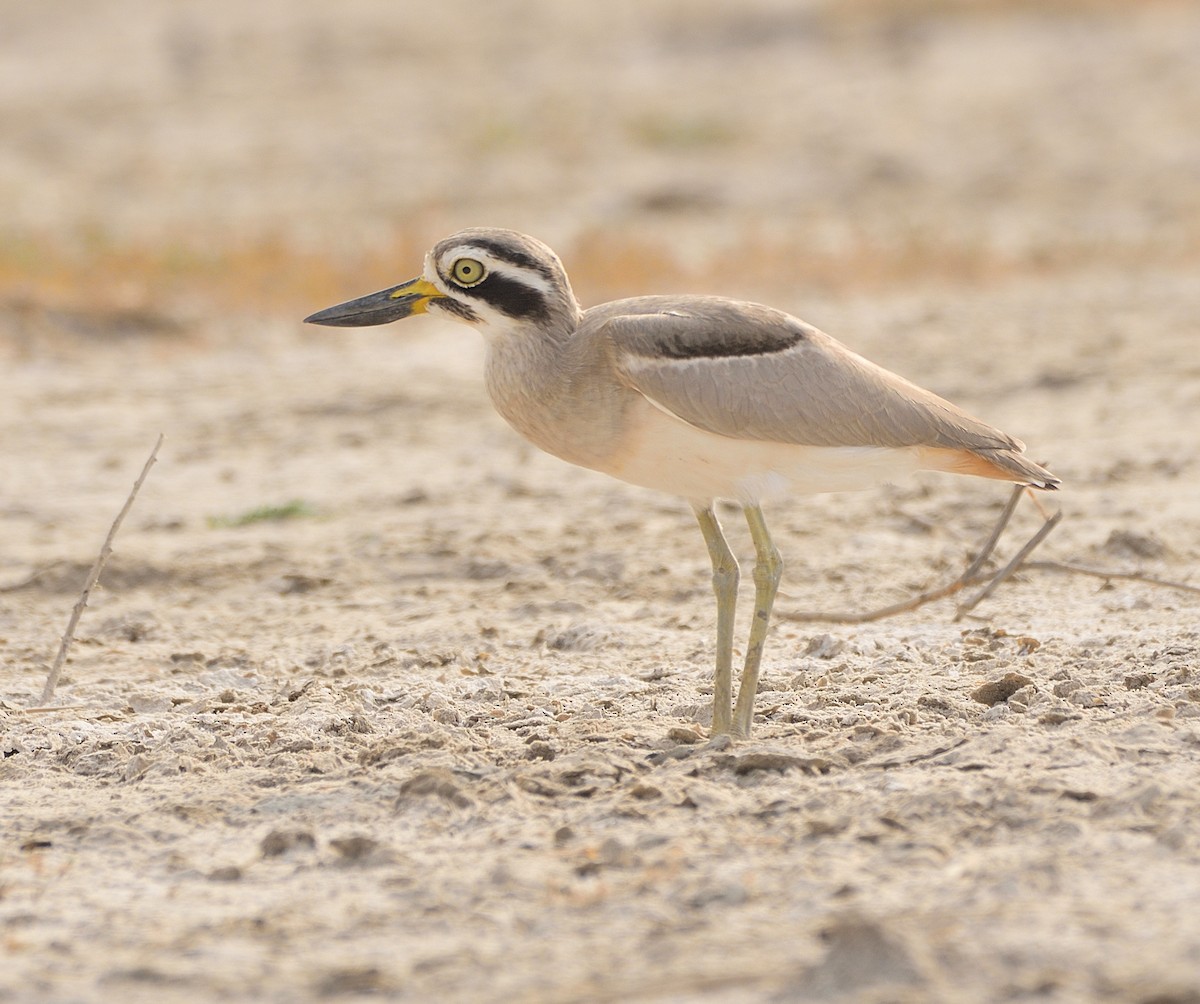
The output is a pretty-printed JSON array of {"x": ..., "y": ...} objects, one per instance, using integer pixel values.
[{"x": 441, "y": 734}]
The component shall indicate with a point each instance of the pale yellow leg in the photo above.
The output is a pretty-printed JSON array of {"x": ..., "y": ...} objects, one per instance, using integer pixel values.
[
  {"x": 768, "y": 568},
  {"x": 725, "y": 585}
]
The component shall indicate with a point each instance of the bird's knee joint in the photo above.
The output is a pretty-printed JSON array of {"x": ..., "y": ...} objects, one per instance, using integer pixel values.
[{"x": 725, "y": 577}]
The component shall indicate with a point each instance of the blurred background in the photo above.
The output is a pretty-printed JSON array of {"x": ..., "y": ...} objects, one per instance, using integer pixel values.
[{"x": 264, "y": 156}]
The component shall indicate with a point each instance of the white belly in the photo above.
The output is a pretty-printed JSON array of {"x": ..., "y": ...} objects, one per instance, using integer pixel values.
[{"x": 665, "y": 453}]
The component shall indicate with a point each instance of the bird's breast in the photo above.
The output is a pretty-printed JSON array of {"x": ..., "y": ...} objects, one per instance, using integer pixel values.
[{"x": 566, "y": 407}]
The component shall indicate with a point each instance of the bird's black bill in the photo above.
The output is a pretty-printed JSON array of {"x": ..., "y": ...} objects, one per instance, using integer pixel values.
[{"x": 378, "y": 308}]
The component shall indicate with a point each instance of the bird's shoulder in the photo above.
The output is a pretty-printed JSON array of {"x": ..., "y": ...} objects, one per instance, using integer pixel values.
[{"x": 694, "y": 327}]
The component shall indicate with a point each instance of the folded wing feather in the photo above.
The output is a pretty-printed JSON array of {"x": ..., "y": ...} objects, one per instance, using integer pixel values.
[{"x": 751, "y": 372}]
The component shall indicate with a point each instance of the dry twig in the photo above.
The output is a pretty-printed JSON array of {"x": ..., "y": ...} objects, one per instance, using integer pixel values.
[
  {"x": 1101, "y": 573},
  {"x": 994, "y": 583},
  {"x": 967, "y": 578},
  {"x": 93, "y": 577}
]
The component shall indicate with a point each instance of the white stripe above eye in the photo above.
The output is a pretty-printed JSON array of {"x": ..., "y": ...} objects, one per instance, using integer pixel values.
[{"x": 526, "y": 276}]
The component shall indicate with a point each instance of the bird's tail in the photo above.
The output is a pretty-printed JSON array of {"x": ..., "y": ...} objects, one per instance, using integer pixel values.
[{"x": 1003, "y": 465}]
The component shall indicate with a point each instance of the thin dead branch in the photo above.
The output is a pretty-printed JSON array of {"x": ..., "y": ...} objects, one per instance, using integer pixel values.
[
  {"x": 973, "y": 575},
  {"x": 1102, "y": 573},
  {"x": 997, "y": 579},
  {"x": 989, "y": 545},
  {"x": 969, "y": 577},
  {"x": 93, "y": 577}
]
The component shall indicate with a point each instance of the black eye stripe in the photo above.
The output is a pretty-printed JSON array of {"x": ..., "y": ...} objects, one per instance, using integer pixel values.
[{"x": 510, "y": 296}]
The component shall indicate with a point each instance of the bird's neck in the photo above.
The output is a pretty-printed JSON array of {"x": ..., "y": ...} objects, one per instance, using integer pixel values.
[
  {"x": 531, "y": 373},
  {"x": 527, "y": 367}
]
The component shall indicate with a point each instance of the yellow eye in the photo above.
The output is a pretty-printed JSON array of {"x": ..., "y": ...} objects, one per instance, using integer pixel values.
[{"x": 467, "y": 272}]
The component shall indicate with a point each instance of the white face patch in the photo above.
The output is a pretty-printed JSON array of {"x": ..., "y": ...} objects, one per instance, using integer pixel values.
[
  {"x": 430, "y": 273},
  {"x": 503, "y": 285},
  {"x": 476, "y": 312}
]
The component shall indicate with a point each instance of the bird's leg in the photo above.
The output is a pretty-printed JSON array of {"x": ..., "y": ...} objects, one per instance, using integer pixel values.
[
  {"x": 768, "y": 568},
  {"x": 725, "y": 585}
]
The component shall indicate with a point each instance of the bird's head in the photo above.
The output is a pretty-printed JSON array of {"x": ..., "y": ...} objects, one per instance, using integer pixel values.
[{"x": 497, "y": 280}]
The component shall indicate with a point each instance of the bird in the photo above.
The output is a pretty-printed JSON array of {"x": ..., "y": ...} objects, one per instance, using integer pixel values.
[{"x": 700, "y": 396}]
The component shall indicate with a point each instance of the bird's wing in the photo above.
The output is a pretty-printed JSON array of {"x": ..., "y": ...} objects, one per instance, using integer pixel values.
[{"x": 751, "y": 372}]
